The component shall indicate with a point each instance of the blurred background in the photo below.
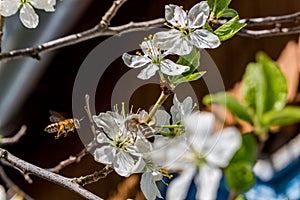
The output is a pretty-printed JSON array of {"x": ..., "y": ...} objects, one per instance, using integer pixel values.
[{"x": 30, "y": 88}]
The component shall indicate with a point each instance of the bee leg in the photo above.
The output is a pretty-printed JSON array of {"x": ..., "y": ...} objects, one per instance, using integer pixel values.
[{"x": 60, "y": 132}]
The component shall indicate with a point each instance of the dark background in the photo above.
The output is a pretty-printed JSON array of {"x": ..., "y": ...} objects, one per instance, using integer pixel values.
[{"x": 54, "y": 89}]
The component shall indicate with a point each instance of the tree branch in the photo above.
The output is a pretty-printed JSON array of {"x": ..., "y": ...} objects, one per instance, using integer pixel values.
[
  {"x": 15, "y": 138},
  {"x": 12, "y": 187},
  {"x": 277, "y": 31},
  {"x": 102, "y": 30},
  {"x": 28, "y": 168},
  {"x": 92, "y": 178}
]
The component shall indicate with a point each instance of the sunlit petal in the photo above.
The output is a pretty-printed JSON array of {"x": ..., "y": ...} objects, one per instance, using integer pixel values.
[
  {"x": 204, "y": 39},
  {"x": 198, "y": 15},
  {"x": 28, "y": 16},
  {"x": 47, "y": 5},
  {"x": 170, "y": 68},
  {"x": 149, "y": 187},
  {"x": 135, "y": 61},
  {"x": 148, "y": 72},
  {"x": 108, "y": 123},
  {"x": 123, "y": 163},
  {"x": 179, "y": 110},
  {"x": 175, "y": 15},
  {"x": 208, "y": 181},
  {"x": 224, "y": 145},
  {"x": 179, "y": 187},
  {"x": 9, "y": 7},
  {"x": 105, "y": 154}
]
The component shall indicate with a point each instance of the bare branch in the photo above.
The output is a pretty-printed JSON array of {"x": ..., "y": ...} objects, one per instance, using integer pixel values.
[
  {"x": 15, "y": 138},
  {"x": 92, "y": 178},
  {"x": 12, "y": 187},
  {"x": 102, "y": 30},
  {"x": 69, "y": 161},
  {"x": 262, "y": 21},
  {"x": 28, "y": 168},
  {"x": 105, "y": 22},
  {"x": 277, "y": 31}
]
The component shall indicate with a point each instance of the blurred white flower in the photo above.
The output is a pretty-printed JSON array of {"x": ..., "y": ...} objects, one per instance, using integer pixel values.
[
  {"x": 2, "y": 193},
  {"x": 185, "y": 32},
  {"x": 27, "y": 15},
  {"x": 204, "y": 153},
  {"x": 153, "y": 60}
]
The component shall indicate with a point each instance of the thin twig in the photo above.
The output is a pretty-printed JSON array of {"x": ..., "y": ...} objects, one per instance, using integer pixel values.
[
  {"x": 88, "y": 111},
  {"x": 69, "y": 161},
  {"x": 262, "y": 21},
  {"x": 29, "y": 168},
  {"x": 92, "y": 178},
  {"x": 15, "y": 138},
  {"x": 105, "y": 21},
  {"x": 12, "y": 186},
  {"x": 277, "y": 31}
]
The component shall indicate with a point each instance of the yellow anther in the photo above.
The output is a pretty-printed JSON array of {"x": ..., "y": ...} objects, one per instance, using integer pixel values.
[
  {"x": 172, "y": 27},
  {"x": 186, "y": 11},
  {"x": 145, "y": 38},
  {"x": 166, "y": 24},
  {"x": 150, "y": 36},
  {"x": 138, "y": 53},
  {"x": 181, "y": 7}
]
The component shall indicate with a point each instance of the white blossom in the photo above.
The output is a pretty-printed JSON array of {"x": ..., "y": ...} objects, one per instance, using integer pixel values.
[
  {"x": 179, "y": 110},
  {"x": 119, "y": 147},
  {"x": 186, "y": 32},
  {"x": 148, "y": 184},
  {"x": 153, "y": 60},
  {"x": 204, "y": 153},
  {"x": 27, "y": 15}
]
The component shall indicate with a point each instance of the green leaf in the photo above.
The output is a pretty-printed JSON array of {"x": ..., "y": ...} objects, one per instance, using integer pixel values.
[
  {"x": 217, "y": 6},
  {"x": 192, "y": 77},
  {"x": 264, "y": 86},
  {"x": 208, "y": 27},
  {"x": 239, "y": 176},
  {"x": 230, "y": 103},
  {"x": 276, "y": 82},
  {"x": 229, "y": 29},
  {"x": 248, "y": 150},
  {"x": 227, "y": 13},
  {"x": 286, "y": 116},
  {"x": 192, "y": 60}
]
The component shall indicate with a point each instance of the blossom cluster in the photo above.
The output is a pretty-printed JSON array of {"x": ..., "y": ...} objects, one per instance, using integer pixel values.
[{"x": 154, "y": 143}]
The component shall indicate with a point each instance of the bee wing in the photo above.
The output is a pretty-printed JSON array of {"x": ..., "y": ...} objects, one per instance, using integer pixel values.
[{"x": 55, "y": 116}]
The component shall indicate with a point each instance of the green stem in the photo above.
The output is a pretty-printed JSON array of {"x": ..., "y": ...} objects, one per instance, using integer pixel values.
[{"x": 163, "y": 96}]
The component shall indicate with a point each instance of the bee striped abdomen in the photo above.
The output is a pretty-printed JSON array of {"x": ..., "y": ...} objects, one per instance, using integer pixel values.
[{"x": 52, "y": 128}]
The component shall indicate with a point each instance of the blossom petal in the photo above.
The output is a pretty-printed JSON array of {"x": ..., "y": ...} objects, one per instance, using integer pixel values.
[
  {"x": 123, "y": 163},
  {"x": 108, "y": 123},
  {"x": 47, "y": 5},
  {"x": 175, "y": 15},
  {"x": 204, "y": 39},
  {"x": 148, "y": 72},
  {"x": 101, "y": 138},
  {"x": 170, "y": 68},
  {"x": 179, "y": 187},
  {"x": 179, "y": 110},
  {"x": 28, "y": 16},
  {"x": 173, "y": 42},
  {"x": 198, "y": 15},
  {"x": 135, "y": 61},
  {"x": 9, "y": 7},
  {"x": 149, "y": 187},
  {"x": 105, "y": 154},
  {"x": 207, "y": 182},
  {"x": 3, "y": 193},
  {"x": 199, "y": 127},
  {"x": 224, "y": 145}
]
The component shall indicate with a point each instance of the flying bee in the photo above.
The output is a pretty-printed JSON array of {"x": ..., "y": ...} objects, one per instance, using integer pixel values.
[
  {"x": 134, "y": 125},
  {"x": 60, "y": 125}
]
